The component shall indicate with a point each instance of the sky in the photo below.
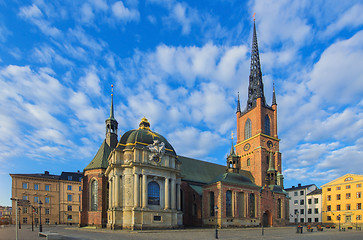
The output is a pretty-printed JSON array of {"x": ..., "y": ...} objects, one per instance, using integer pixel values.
[{"x": 181, "y": 65}]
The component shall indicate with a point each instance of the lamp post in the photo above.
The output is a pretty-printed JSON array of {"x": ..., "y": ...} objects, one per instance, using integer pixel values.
[
  {"x": 339, "y": 221},
  {"x": 40, "y": 216},
  {"x": 216, "y": 218},
  {"x": 19, "y": 218},
  {"x": 32, "y": 209}
]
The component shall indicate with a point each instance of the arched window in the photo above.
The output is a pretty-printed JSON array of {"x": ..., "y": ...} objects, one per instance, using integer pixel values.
[
  {"x": 279, "y": 206},
  {"x": 248, "y": 131},
  {"x": 153, "y": 193},
  {"x": 94, "y": 195},
  {"x": 229, "y": 203},
  {"x": 251, "y": 205},
  {"x": 267, "y": 125},
  {"x": 211, "y": 204},
  {"x": 241, "y": 204}
]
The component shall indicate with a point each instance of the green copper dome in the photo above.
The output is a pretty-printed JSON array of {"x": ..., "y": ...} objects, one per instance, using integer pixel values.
[{"x": 142, "y": 137}]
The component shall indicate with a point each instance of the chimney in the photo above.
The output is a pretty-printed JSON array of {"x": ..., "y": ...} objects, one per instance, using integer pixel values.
[
  {"x": 299, "y": 185},
  {"x": 46, "y": 172}
]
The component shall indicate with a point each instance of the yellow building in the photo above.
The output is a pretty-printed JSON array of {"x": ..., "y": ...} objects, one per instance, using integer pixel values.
[
  {"x": 342, "y": 201},
  {"x": 59, "y": 195}
]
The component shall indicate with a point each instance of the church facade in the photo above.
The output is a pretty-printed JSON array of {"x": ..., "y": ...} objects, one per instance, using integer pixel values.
[{"x": 139, "y": 182}]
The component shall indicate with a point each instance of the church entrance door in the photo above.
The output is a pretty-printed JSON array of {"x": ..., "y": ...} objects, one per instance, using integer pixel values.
[{"x": 267, "y": 219}]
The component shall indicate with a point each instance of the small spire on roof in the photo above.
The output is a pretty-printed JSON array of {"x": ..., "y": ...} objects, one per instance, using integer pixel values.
[
  {"x": 238, "y": 104},
  {"x": 232, "y": 153},
  {"x": 273, "y": 95},
  {"x": 111, "y": 111}
]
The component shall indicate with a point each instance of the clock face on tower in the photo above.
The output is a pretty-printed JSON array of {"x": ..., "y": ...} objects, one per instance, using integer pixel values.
[
  {"x": 246, "y": 147},
  {"x": 270, "y": 144}
]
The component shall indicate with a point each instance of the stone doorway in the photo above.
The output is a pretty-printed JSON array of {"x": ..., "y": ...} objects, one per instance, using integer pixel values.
[{"x": 267, "y": 219}]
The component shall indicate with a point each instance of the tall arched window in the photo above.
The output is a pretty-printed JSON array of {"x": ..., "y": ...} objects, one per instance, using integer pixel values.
[
  {"x": 279, "y": 206},
  {"x": 153, "y": 190},
  {"x": 241, "y": 204},
  {"x": 229, "y": 203},
  {"x": 94, "y": 195},
  {"x": 251, "y": 205},
  {"x": 267, "y": 125},
  {"x": 211, "y": 204},
  {"x": 248, "y": 129}
]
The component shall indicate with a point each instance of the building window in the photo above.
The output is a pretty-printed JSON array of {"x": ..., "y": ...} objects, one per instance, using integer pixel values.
[
  {"x": 25, "y": 220},
  {"x": 267, "y": 125},
  {"x": 295, "y": 194},
  {"x": 296, "y": 202},
  {"x": 338, "y": 217},
  {"x": 347, "y": 187},
  {"x": 36, "y": 186},
  {"x": 248, "y": 129},
  {"x": 279, "y": 208},
  {"x": 47, "y": 221},
  {"x": 36, "y": 199},
  {"x": 316, "y": 219},
  {"x": 69, "y": 187},
  {"x": 69, "y": 218},
  {"x": 328, "y": 208},
  {"x": 316, "y": 200},
  {"x": 359, "y": 206},
  {"x": 248, "y": 162},
  {"x": 338, "y": 196},
  {"x": 69, "y": 197},
  {"x": 329, "y": 189},
  {"x": 25, "y": 197},
  {"x": 251, "y": 205},
  {"x": 301, "y": 193},
  {"x": 301, "y": 211},
  {"x": 359, "y": 185},
  {"x": 316, "y": 210},
  {"x": 47, "y": 200},
  {"x": 153, "y": 193},
  {"x": 347, "y": 196},
  {"x": 328, "y": 198},
  {"x": 338, "y": 207},
  {"x": 94, "y": 195},
  {"x": 25, "y": 185},
  {"x": 47, "y": 211},
  {"x": 47, "y": 188},
  {"x": 301, "y": 220},
  {"x": 194, "y": 209},
  {"x": 69, "y": 178},
  {"x": 338, "y": 188},
  {"x": 80, "y": 188},
  {"x": 359, "y": 217},
  {"x": 348, "y": 179},
  {"x": 309, "y": 201},
  {"x": 310, "y": 211},
  {"x": 296, "y": 211},
  {"x": 329, "y": 218},
  {"x": 302, "y": 202},
  {"x": 69, "y": 208},
  {"x": 211, "y": 204},
  {"x": 229, "y": 203},
  {"x": 347, "y": 207},
  {"x": 25, "y": 210},
  {"x": 359, "y": 194},
  {"x": 309, "y": 220}
]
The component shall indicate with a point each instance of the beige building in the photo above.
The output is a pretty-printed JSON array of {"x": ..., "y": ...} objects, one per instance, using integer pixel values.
[
  {"x": 59, "y": 195},
  {"x": 144, "y": 182}
]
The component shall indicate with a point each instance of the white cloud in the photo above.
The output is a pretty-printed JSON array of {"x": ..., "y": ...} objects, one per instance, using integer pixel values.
[
  {"x": 351, "y": 18},
  {"x": 100, "y": 5},
  {"x": 123, "y": 13},
  {"x": 91, "y": 82},
  {"x": 87, "y": 14}
]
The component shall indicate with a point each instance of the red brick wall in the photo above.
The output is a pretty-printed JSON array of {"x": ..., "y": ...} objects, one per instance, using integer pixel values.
[
  {"x": 98, "y": 217},
  {"x": 191, "y": 197}
]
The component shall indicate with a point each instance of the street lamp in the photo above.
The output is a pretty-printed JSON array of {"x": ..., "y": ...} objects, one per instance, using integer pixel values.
[
  {"x": 215, "y": 214},
  {"x": 339, "y": 221},
  {"x": 40, "y": 216},
  {"x": 19, "y": 218},
  {"x": 32, "y": 209}
]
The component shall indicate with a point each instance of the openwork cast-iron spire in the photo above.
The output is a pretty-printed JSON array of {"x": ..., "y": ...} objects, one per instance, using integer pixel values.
[
  {"x": 255, "y": 88},
  {"x": 274, "y": 96},
  {"x": 111, "y": 112},
  {"x": 238, "y": 105}
]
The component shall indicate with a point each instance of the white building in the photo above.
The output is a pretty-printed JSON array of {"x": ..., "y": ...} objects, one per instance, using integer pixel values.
[
  {"x": 298, "y": 204},
  {"x": 314, "y": 206}
]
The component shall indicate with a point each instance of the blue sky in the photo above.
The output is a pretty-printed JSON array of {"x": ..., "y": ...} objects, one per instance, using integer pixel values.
[{"x": 180, "y": 64}]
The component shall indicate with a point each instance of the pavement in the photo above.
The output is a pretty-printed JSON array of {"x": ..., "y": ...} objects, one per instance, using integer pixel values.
[{"x": 75, "y": 233}]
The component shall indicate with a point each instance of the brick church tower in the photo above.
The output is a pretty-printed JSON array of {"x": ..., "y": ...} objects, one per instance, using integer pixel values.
[
  {"x": 94, "y": 200},
  {"x": 257, "y": 140}
]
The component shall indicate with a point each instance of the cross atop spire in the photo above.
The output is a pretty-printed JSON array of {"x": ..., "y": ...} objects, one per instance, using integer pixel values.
[{"x": 255, "y": 88}]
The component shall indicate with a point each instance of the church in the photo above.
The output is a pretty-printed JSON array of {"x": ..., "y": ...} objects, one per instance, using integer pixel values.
[{"x": 139, "y": 181}]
